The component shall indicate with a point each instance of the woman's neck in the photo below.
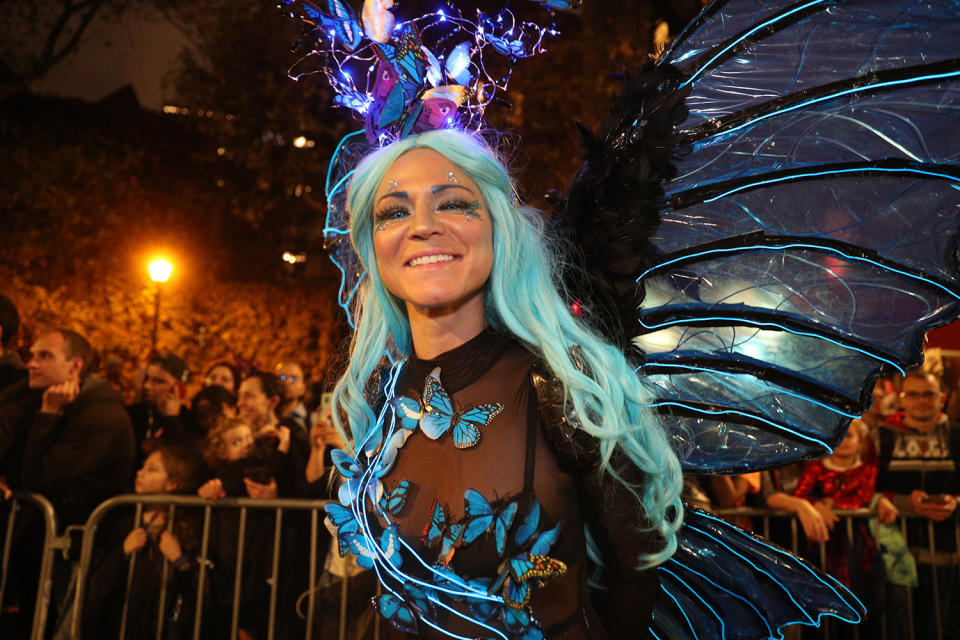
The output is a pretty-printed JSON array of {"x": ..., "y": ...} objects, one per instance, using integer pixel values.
[{"x": 435, "y": 332}]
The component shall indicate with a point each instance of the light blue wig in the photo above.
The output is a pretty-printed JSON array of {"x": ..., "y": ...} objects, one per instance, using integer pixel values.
[{"x": 520, "y": 299}]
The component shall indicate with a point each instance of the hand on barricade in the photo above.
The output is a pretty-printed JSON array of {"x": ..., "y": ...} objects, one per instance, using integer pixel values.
[
  {"x": 937, "y": 508},
  {"x": 5, "y": 492},
  {"x": 886, "y": 512},
  {"x": 57, "y": 396},
  {"x": 825, "y": 509},
  {"x": 169, "y": 546},
  {"x": 257, "y": 490},
  {"x": 212, "y": 490},
  {"x": 135, "y": 540},
  {"x": 814, "y": 526}
]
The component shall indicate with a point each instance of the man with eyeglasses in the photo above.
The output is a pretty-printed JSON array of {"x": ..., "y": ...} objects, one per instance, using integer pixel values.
[
  {"x": 294, "y": 389},
  {"x": 919, "y": 454}
]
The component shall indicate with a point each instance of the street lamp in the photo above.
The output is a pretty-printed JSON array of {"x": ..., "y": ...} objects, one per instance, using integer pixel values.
[{"x": 159, "y": 272}]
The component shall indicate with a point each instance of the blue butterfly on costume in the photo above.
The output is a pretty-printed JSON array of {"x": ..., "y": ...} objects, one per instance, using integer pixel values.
[
  {"x": 394, "y": 501},
  {"x": 515, "y": 575},
  {"x": 450, "y": 541},
  {"x": 396, "y": 610},
  {"x": 525, "y": 532},
  {"x": 481, "y": 517},
  {"x": 435, "y": 525},
  {"x": 407, "y": 411},
  {"x": 367, "y": 552},
  {"x": 439, "y": 416},
  {"x": 417, "y": 598},
  {"x": 341, "y": 523}
]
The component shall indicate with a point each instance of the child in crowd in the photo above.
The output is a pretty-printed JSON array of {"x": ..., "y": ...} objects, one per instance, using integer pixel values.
[
  {"x": 242, "y": 465},
  {"x": 155, "y": 545},
  {"x": 844, "y": 480}
]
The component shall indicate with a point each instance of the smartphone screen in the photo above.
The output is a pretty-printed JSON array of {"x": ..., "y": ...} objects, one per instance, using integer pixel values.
[{"x": 326, "y": 405}]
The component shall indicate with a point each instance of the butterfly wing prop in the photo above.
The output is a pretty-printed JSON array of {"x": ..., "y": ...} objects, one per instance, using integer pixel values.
[
  {"x": 726, "y": 583},
  {"x": 769, "y": 220},
  {"x": 804, "y": 239}
]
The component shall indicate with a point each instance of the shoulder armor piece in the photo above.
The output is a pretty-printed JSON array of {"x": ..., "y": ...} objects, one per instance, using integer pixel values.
[{"x": 577, "y": 451}]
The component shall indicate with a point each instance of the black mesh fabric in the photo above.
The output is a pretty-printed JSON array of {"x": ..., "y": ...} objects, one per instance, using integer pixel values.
[{"x": 492, "y": 368}]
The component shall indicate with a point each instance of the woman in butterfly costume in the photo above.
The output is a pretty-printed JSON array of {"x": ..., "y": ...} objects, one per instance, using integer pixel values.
[
  {"x": 483, "y": 489},
  {"x": 768, "y": 218}
]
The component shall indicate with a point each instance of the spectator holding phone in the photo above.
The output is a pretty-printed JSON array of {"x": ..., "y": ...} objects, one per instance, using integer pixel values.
[
  {"x": 161, "y": 417},
  {"x": 918, "y": 455}
]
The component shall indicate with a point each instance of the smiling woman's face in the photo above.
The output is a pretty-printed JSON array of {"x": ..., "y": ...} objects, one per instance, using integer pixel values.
[{"x": 432, "y": 235}]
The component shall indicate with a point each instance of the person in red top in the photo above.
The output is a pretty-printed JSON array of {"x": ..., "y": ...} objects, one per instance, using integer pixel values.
[{"x": 843, "y": 480}]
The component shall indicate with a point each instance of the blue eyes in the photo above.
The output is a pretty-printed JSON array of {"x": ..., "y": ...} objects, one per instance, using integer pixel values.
[{"x": 394, "y": 212}]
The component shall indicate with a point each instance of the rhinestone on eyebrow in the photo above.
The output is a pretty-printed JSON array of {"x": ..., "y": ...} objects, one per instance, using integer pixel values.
[
  {"x": 452, "y": 178},
  {"x": 393, "y": 185}
]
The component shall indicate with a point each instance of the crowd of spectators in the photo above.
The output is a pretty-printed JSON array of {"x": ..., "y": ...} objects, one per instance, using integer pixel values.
[
  {"x": 900, "y": 458},
  {"x": 66, "y": 433}
]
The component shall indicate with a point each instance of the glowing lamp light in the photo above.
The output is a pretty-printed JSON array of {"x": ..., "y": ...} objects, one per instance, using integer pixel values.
[
  {"x": 160, "y": 270},
  {"x": 294, "y": 258}
]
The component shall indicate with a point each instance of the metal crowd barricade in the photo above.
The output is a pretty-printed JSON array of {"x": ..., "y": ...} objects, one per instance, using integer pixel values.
[
  {"x": 847, "y": 518},
  {"x": 51, "y": 543},
  {"x": 278, "y": 506},
  {"x": 244, "y": 505}
]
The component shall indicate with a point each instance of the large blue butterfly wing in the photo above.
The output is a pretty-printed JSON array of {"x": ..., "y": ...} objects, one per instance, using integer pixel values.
[
  {"x": 438, "y": 412},
  {"x": 466, "y": 425}
]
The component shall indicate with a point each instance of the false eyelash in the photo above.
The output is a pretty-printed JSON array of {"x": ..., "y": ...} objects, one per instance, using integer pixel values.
[{"x": 460, "y": 204}]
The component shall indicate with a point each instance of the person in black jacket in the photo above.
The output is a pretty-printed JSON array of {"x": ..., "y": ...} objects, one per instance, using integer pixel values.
[
  {"x": 161, "y": 417},
  {"x": 79, "y": 450}
]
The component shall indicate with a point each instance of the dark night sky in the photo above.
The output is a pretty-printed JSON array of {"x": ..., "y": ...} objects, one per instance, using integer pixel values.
[{"x": 141, "y": 50}]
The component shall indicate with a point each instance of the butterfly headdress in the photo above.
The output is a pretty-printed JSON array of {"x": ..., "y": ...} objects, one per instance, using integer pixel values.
[{"x": 405, "y": 75}]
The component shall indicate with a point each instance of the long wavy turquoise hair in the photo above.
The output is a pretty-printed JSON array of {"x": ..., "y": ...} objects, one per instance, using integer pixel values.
[{"x": 520, "y": 299}]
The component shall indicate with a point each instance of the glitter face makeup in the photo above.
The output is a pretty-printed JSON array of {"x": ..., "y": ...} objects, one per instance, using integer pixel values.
[
  {"x": 433, "y": 241},
  {"x": 392, "y": 186},
  {"x": 451, "y": 177}
]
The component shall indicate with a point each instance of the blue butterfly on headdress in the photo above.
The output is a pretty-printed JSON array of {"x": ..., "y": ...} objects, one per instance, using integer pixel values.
[
  {"x": 438, "y": 415},
  {"x": 456, "y": 66},
  {"x": 407, "y": 59},
  {"x": 366, "y": 549},
  {"x": 481, "y": 517},
  {"x": 339, "y": 19}
]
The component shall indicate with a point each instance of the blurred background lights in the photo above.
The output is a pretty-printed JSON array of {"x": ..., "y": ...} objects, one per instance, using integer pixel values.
[
  {"x": 294, "y": 258},
  {"x": 160, "y": 270}
]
